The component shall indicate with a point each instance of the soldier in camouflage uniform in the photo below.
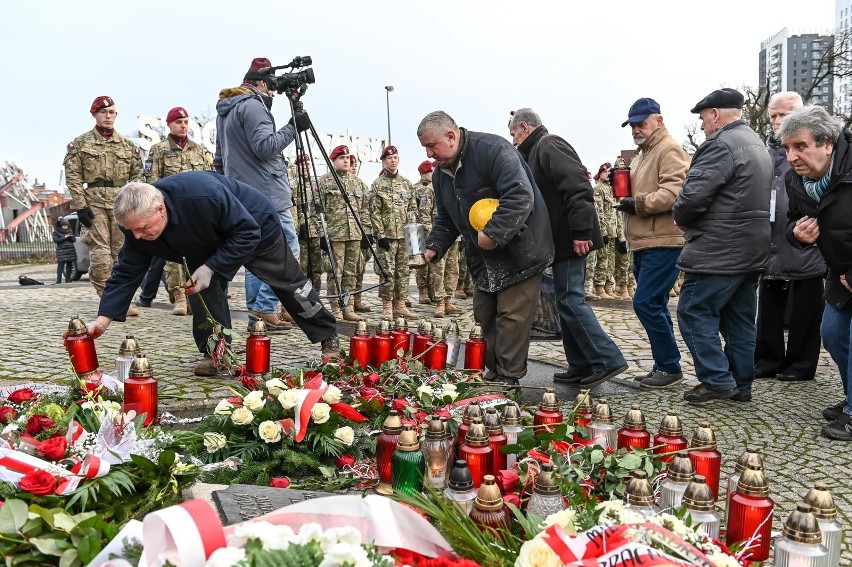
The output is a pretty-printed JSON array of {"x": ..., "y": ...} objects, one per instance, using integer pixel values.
[
  {"x": 176, "y": 154},
  {"x": 391, "y": 204},
  {"x": 308, "y": 233},
  {"x": 604, "y": 267},
  {"x": 464, "y": 286},
  {"x": 624, "y": 279},
  {"x": 343, "y": 228},
  {"x": 431, "y": 282},
  {"x": 103, "y": 160},
  {"x": 364, "y": 254}
]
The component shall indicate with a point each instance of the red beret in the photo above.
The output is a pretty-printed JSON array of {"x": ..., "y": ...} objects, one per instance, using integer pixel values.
[
  {"x": 257, "y": 64},
  {"x": 339, "y": 151},
  {"x": 604, "y": 167},
  {"x": 101, "y": 102},
  {"x": 300, "y": 159},
  {"x": 352, "y": 158},
  {"x": 425, "y": 167},
  {"x": 389, "y": 151},
  {"x": 175, "y": 113}
]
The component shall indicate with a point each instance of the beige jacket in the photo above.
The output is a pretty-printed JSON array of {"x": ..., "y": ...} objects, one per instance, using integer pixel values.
[{"x": 657, "y": 174}]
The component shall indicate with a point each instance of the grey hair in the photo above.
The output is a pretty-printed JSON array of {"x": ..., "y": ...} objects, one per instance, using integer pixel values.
[
  {"x": 823, "y": 127},
  {"x": 136, "y": 198},
  {"x": 788, "y": 96},
  {"x": 527, "y": 115},
  {"x": 438, "y": 121}
]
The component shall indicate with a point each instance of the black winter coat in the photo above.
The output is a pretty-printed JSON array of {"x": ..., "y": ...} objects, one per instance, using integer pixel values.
[
  {"x": 566, "y": 190},
  {"x": 64, "y": 246},
  {"x": 834, "y": 215}
]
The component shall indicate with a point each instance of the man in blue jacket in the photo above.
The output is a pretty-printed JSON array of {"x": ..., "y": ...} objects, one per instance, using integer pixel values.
[
  {"x": 217, "y": 224},
  {"x": 508, "y": 255}
]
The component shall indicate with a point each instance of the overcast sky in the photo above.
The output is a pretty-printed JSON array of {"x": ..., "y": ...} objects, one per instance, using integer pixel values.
[{"x": 579, "y": 64}]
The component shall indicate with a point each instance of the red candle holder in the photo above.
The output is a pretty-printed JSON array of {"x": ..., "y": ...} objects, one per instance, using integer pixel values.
[
  {"x": 359, "y": 346},
  {"x": 620, "y": 179},
  {"x": 80, "y": 347},
  {"x": 707, "y": 461},
  {"x": 670, "y": 438},
  {"x": 488, "y": 511},
  {"x": 547, "y": 413},
  {"x": 382, "y": 344},
  {"x": 401, "y": 338},
  {"x": 436, "y": 356},
  {"x": 474, "y": 350},
  {"x": 421, "y": 339},
  {"x": 140, "y": 390},
  {"x": 496, "y": 439},
  {"x": 750, "y": 514},
  {"x": 472, "y": 411},
  {"x": 258, "y": 347},
  {"x": 634, "y": 434},
  {"x": 385, "y": 448},
  {"x": 477, "y": 452}
]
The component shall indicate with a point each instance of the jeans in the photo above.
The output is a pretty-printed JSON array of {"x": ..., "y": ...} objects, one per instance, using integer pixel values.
[
  {"x": 655, "y": 270},
  {"x": 836, "y": 334},
  {"x": 714, "y": 304},
  {"x": 259, "y": 297},
  {"x": 151, "y": 282},
  {"x": 587, "y": 347}
]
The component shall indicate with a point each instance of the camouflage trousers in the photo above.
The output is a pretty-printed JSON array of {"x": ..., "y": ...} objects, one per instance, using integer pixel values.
[
  {"x": 104, "y": 240},
  {"x": 464, "y": 281},
  {"x": 316, "y": 262},
  {"x": 363, "y": 257},
  {"x": 442, "y": 277},
  {"x": 395, "y": 263},
  {"x": 624, "y": 269},
  {"x": 346, "y": 254},
  {"x": 174, "y": 276},
  {"x": 599, "y": 269}
]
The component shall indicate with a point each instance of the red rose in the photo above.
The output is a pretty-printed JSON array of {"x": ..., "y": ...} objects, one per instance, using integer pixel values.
[
  {"x": 39, "y": 482},
  {"x": 507, "y": 480},
  {"x": 371, "y": 380},
  {"x": 279, "y": 482},
  {"x": 344, "y": 461},
  {"x": 369, "y": 393},
  {"x": 250, "y": 382},
  {"x": 22, "y": 395},
  {"x": 53, "y": 449},
  {"x": 399, "y": 404},
  {"x": 420, "y": 416},
  {"x": 7, "y": 414},
  {"x": 38, "y": 423}
]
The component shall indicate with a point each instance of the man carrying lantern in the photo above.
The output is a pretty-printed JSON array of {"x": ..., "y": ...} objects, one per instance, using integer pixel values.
[
  {"x": 506, "y": 253},
  {"x": 217, "y": 224}
]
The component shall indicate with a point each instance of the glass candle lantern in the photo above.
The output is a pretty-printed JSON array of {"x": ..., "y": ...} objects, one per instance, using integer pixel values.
[
  {"x": 258, "y": 348},
  {"x": 382, "y": 345},
  {"x": 639, "y": 496},
  {"x": 126, "y": 353},
  {"x": 547, "y": 415},
  {"x": 385, "y": 447},
  {"x": 633, "y": 433},
  {"x": 823, "y": 508},
  {"x": 436, "y": 357},
  {"x": 474, "y": 349},
  {"x": 477, "y": 452},
  {"x": 359, "y": 345},
  {"x": 700, "y": 503},
  {"x": 496, "y": 439},
  {"x": 81, "y": 347},
  {"x": 435, "y": 454},
  {"x": 401, "y": 338},
  {"x": 801, "y": 541},
  {"x": 706, "y": 461},
  {"x": 669, "y": 438},
  {"x": 546, "y": 498},
  {"x": 511, "y": 418},
  {"x": 750, "y": 457},
  {"x": 488, "y": 510},
  {"x": 583, "y": 411},
  {"x": 460, "y": 488},
  {"x": 140, "y": 390},
  {"x": 750, "y": 514},
  {"x": 473, "y": 410},
  {"x": 421, "y": 339},
  {"x": 601, "y": 430},
  {"x": 451, "y": 440},
  {"x": 407, "y": 464},
  {"x": 453, "y": 340},
  {"x": 678, "y": 476}
]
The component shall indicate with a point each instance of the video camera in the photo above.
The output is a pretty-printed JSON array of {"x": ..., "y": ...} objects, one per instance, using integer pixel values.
[{"x": 294, "y": 83}]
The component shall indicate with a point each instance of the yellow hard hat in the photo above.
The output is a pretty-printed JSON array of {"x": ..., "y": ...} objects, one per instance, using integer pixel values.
[{"x": 481, "y": 211}]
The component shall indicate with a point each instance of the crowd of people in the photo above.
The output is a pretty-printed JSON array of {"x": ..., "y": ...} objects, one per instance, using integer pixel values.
[{"x": 752, "y": 235}]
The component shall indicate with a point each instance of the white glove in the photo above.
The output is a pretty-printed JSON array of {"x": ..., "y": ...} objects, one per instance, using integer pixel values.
[{"x": 200, "y": 280}]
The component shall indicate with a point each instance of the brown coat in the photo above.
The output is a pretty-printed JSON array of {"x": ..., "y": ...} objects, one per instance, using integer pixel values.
[{"x": 657, "y": 174}]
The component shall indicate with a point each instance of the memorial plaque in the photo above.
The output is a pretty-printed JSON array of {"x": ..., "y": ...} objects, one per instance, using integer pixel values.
[{"x": 241, "y": 502}]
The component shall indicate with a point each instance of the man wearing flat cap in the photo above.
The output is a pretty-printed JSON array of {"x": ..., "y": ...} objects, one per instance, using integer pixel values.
[
  {"x": 724, "y": 211},
  {"x": 97, "y": 164},
  {"x": 391, "y": 205},
  {"x": 343, "y": 228}
]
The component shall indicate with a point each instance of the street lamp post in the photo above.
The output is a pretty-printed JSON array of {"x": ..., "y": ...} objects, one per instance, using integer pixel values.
[{"x": 389, "y": 90}]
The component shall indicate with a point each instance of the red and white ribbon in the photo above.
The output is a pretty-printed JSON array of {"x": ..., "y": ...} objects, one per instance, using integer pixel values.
[
  {"x": 185, "y": 535},
  {"x": 15, "y": 464},
  {"x": 89, "y": 467},
  {"x": 306, "y": 400}
]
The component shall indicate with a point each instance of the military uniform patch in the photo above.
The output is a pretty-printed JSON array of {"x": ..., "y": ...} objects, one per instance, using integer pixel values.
[
  {"x": 71, "y": 145},
  {"x": 148, "y": 166}
]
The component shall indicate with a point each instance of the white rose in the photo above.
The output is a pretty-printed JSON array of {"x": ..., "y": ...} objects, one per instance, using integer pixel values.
[
  {"x": 226, "y": 557},
  {"x": 309, "y": 532},
  {"x": 275, "y": 386},
  {"x": 242, "y": 416},
  {"x": 254, "y": 400},
  {"x": 346, "y": 435},
  {"x": 345, "y": 534},
  {"x": 320, "y": 413},
  {"x": 223, "y": 408},
  {"x": 449, "y": 390},
  {"x": 270, "y": 431},
  {"x": 565, "y": 518},
  {"x": 331, "y": 395},
  {"x": 214, "y": 441},
  {"x": 424, "y": 390},
  {"x": 288, "y": 399},
  {"x": 271, "y": 536},
  {"x": 340, "y": 554},
  {"x": 536, "y": 553}
]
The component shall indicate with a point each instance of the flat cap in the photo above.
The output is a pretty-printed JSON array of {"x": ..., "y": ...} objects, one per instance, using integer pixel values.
[{"x": 722, "y": 98}]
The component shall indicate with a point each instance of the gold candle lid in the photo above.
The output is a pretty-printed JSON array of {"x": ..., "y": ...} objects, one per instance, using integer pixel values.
[
  {"x": 488, "y": 498},
  {"x": 634, "y": 419},
  {"x": 437, "y": 334},
  {"x": 802, "y": 525},
  {"x": 493, "y": 423},
  {"x": 392, "y": 425},
  {"x": 750, "y": 457},
  {"x": 698, "y": 495},
  {"x": 385, "y": 326},
  {"x": 472, "y": 410},
  {"x": 257, "y": 327},
  {"x": 549, "y": 401},
  {"x": 435, "y": 429},
  {"x": 620, "y": 163},
  {"x": 408, "y": 440},
  {"x": 76, "y": 326},
  {"x": 140, "y": 366},
  {"x": 821, "y": 502},
  {"x": 639, "y": 491},
  {"x": 704, "y": 436},
  {"x": 602, "y": 413},
  {"x": 475, "y": 331},
  {"x": 511, "y": 414},
  {"x": 361, "y": 328},
  {"x": 753, "y": 482},
  {"x": 545, "y": 482},
  {"x": 671, "y": 425},
  {"x": 129, "y": 346},
  {"x": 401, "y": 324},
  {"x": 583, "y": 401},
  {"x": 680, "y": 469},
  {"x": 424, "y": 328},
  {"x": 452, "y": 328},
  {"x": 477, "y": 435}
]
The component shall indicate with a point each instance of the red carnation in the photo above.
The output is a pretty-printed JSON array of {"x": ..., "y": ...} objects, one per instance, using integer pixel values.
[
  {"x": 346, "y": 460},
  {"x": 39, "y": 482},
  {"x": 279, "y": 482},
  {"x": 53, "y": 449},
  {"x": 7, "y": 414},
  {"x": 22, "y": 395},
  {"x": 38, "y": 423}
]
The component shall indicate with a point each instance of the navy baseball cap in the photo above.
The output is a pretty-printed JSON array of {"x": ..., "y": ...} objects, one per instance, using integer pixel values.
[{"x": 641, "y": 109}]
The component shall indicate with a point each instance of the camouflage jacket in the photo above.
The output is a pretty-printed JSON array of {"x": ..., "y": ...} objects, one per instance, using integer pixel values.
[
  {"x": 167, "y": 158},
  {"x": 338, "y": 218},
  {"x": 424, "y": 195},
  {"x": 604, "y": 205},
  {"x": 391, "y": 203},
  {"x": 91, "y": 159},
  {"x": 300, "y": 207}
]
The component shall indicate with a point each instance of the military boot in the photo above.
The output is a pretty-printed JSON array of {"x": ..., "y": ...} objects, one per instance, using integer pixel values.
[
  {"x": 439, "y": 310},
  {"x": 387, "y": 309},
  {"x": 590, "y": 293},
  {"x": 400, "y": 310},
  {"x": 350, "y": 315},
  {"x": 600, "y": 291},
  {"x": 335, "y": 310},
  {"x": 424, "y": 296},
  {"x": 609, "y": 289},
  {"x": 360, "y": 306},
  {"x": 180, "y": 307},
  {"x": 451, "y": 309},
  {"x": 459, "y": 293},
  {"x": 631, "y": 290},
  {"x": 621, "y": 292}
]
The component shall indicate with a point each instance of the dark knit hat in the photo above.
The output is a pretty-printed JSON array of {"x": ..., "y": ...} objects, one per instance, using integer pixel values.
[
  {"x": 101, "y": 102},
  {"x": 257, "y": 64},
  {"x": 175, "y": 113}
]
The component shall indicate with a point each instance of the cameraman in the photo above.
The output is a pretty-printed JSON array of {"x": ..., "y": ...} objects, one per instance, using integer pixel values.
[{"x": 248, "y": 148}]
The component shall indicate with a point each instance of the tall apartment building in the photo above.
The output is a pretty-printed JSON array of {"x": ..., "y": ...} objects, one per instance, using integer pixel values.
[
  {"x": 791, "y": 62},
  {"x": 843, "y": 85}
]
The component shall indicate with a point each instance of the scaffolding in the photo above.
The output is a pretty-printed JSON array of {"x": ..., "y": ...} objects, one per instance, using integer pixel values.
[{"x": 31, "y": 223}]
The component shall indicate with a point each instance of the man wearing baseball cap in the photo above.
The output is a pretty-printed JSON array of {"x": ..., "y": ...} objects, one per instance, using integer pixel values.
[{"x": 97, "y": 164}]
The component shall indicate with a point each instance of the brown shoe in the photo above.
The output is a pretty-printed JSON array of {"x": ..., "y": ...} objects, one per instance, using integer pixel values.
[
  {"x": 181, "y": 306},
  {"x": 205, "y": 367},
  {"x": 600, "y": 291},
  {"x": 132, "y": 311},
  {"x": 460, "y": 294},
  {"x": 591, "y": 295},
  {"x": 350, "y": 315},
  {"x": 284, "y": 316},
  {"x": 335, "y": 310},
  {"x": 440, "y": 310},
  {"x": 360, "y": 306},
  {"x": 424, "y": 296},
  {"x": 451, "y": 309},
  {"x": 331, "y": 345},
  {"x": 400, "y": 310},
  {"x": 273, "y": 323}
]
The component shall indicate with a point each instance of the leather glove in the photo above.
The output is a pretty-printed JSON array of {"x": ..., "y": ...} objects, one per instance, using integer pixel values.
[
  {"x": 85, "y": 216},
  {"x": 384, "y": 243},
  {"x": 621, "y": 247},
  {"x": 606, "y": 240},
  {"x": 323, "y": 244},
  {"x": 303, "y": 233},
  {"x": 300, "y": 118},
  {"x": 200, "y": 279},
  {"x": 365, "y": 242},
  {"x": 627, "y": 205}
]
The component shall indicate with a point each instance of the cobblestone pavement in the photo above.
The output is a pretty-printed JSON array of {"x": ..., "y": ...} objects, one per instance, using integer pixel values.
[{"x": 783, "y": 420}]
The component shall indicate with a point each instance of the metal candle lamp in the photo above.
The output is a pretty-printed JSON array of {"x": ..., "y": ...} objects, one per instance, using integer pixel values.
[
  {"x": 451, "y": 440},
  {"x": 421, "y": 339},
  {"x": 700, "y": 503},
  {"x": 750, "y": 514},
  {"x": 620, "y": 179},
  {"x": 385, "y": 447},
  {"x": 140, "y": 390},
  {"x": 639, "y": 495},
  {"x": 126, "y": 353},
  {"x": 477, "y": 452},
  {"x": 678, "y": 476},
  {"x": 473, "y": 410},
  {"x": 451, "y": 337},
  {"x": 583, "y": 411},
  {"x": 548, "y": 413},
  {"x": 436, "y": 357},
  {"x": 81, "y": 347},
  {"x": 750, "y": 457},
  {"x": 474, "y": 349},
  {"x": 546, "y": 498},
  {"x": 601, "y": 430},
  {"x": 415, "y": 242},
  {"x": 634, "y": 433},
  {"x": 401, "y": 338},
  {"x": 435, "y": 453},
  {"x": 257, "y": 348},
  {"x": 407, "y": 464},
  {"x": 670, "y": 437},
  {"x": 708, "y": 460},
  {"x": 511, "y": 418},
  {"x": 488, "y": 510},
  {"x": 822, "y": 505},
  {"x": 460, "y": 487},
  {"x": 382, "y": 344},
  {"x": 801, "y": 541},
  {"x": 359, "y": 345},
  {"x": 496, "y": 439}
]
